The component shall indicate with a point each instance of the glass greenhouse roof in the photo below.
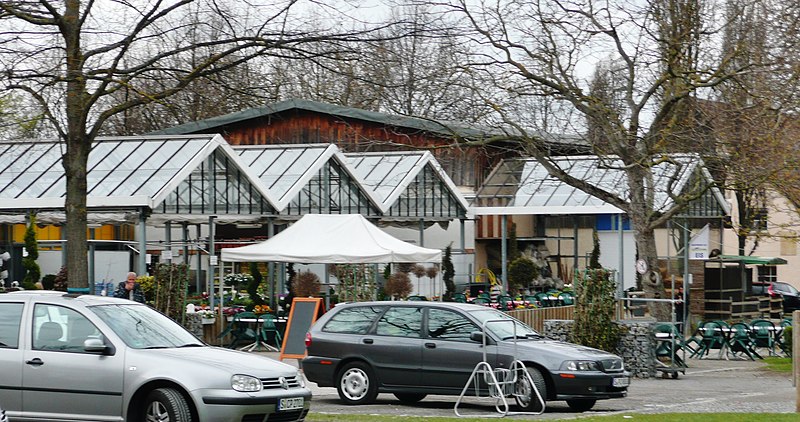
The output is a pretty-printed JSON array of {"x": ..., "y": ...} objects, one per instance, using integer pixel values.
[
  {"x": 409, "y": 184},
  {"x": 308, "y": 179},
  {"x": 524, "y": 186},
  {"x": 169, "y": 174}
]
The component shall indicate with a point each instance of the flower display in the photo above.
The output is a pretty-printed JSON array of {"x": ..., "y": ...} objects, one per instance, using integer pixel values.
[
  {"x": 237, "y": 279},
  {"x": 262, "y": 309}
]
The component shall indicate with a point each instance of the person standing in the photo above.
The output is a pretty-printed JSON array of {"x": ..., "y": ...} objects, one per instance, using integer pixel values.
[{"x": 130, "y": 289}]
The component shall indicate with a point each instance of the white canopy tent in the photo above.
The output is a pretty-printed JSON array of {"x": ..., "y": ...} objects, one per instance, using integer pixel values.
[{"x": 332, "y": 239}]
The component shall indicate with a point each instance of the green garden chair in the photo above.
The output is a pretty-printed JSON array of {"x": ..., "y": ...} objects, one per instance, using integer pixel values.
[
  {"x": 741, "y": 342},
  {"x": 763, "y": 334}
]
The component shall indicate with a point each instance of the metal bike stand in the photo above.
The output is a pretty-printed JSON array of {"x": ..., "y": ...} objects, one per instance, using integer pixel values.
[{"x": 500, "y": 382}]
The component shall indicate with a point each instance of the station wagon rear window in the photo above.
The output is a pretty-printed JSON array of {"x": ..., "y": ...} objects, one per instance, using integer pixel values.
[
  {"x": 10, "y": 318},
  {"x": 355, "y": 320}
]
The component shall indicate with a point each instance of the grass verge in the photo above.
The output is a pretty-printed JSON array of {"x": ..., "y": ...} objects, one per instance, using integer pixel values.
[{"x": 778, "y": 364}]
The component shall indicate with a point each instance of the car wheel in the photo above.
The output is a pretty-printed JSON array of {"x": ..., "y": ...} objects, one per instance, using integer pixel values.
[
  {"x": 409, "y": 398},
  {"x": 357, "y": 384},
  {"x": 581, "y": 405},
  {"x": 525, "y": 396},
  {"x": 166, "y": 405}
]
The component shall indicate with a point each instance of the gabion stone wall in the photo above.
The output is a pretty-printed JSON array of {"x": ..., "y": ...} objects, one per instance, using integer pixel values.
[
  {"x": 194, "y": 323},
  {"x": 636, "y": 346}
]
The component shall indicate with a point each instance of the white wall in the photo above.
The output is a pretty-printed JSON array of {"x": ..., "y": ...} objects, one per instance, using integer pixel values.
[
  {"x": 610, "y": 254},
  {"x": 109, "y": 266}
]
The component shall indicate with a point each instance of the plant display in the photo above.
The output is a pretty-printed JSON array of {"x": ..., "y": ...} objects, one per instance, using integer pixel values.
[
  {"x": 237, "y": 279},
  {"x": 148, "y": 285},
  {"x": 594, "y": 310},
  {"x": 356, "y": 282},
  {"x": 171, "y": 281},
  {"x": 262, "y": 309}
]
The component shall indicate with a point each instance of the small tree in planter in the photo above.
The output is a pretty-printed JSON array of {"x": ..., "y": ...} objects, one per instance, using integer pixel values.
[
  {"x": 432, "y": 272},
  {"x": 521, "y": 272},
  {"x": 448, "y": 274},
  {"x": 306, "y": 284},
  {"x": 398, "y": 286},
  {"x": 594, "y": 310},
  {"x": 252, "y": 286},
  {"x": 32, "y": 271}
]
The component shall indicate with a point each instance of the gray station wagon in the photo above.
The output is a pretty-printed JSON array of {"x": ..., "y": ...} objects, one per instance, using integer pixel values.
[
  {"x": 413, "y": 349},
  {"x": 82, "y": 357}
]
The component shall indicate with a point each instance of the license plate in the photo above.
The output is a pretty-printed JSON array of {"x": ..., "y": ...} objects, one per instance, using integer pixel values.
[
  {"x": 621, "y": 382},
  {"x": 293, "y": 403}
]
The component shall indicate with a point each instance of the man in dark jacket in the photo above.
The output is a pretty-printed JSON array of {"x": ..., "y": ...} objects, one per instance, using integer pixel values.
[{"x": 130, "y": 289}]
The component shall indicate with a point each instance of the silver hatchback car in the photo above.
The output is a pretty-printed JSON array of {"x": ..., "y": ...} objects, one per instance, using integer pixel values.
[{"x": 82, "y": 357}]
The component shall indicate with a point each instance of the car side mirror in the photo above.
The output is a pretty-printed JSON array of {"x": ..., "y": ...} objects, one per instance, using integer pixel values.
[
  {"x": 477, "y": 336},
  {"x": 96, "y": 345}
]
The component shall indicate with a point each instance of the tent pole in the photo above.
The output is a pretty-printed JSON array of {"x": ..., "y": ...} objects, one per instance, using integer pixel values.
[
  {"x": 212, "y": 268},
  {"x": 142, "y": 243},
  {"x": 198, "y": 276},
  {"x": 504, "y": 252}
]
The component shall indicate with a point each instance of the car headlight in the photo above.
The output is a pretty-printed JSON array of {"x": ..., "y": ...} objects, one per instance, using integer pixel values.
[
  {"x": 301, "y": 380},
  {"x": 245, "y": 383},
  {"x": 579, "y": 365}
]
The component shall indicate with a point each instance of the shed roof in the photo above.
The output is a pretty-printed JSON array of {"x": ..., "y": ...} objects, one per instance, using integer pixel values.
[{"x": 524, "y": 186}]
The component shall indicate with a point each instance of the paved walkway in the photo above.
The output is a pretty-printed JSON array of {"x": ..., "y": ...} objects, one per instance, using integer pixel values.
[{"x": 709, "y": 386}]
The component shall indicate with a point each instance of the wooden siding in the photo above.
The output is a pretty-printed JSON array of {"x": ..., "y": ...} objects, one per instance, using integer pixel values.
[
  {"x": 466, "y": 166},
  {"x": 536, "y": 317}
]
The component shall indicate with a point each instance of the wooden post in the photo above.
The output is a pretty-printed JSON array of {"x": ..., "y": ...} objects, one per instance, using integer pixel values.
[{"x": 795, "y": 357}]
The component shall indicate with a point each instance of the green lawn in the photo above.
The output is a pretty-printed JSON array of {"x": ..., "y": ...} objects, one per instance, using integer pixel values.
[
  {"x": 778, "y": 364},
  {"x": 632, "y": 417}
]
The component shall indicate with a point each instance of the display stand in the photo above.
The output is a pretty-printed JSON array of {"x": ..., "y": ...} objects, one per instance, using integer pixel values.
[{"x": 500, "y": 384}]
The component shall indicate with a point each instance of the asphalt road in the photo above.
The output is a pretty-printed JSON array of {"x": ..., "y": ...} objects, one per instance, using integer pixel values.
[{"x": 709, "y": 386}]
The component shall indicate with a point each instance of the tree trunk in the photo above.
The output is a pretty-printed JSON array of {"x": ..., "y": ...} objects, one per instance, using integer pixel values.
[
  {"x": 75, "y": 167},
  {"x": 78, "y": 147},
  {"x": 652, "y": 283}
]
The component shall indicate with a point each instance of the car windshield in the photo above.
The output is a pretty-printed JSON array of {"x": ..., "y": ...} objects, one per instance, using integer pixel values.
[
  {"x": 784, "y": 287},
  {"x": 503, "y": 330},
  {"x": 141, "y": 327}
]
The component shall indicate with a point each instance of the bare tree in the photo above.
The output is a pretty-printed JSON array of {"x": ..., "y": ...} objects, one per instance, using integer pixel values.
[
  {"x": 663, "y": 55},
  {"x": 753, "y": 116},
  {"x": 84, "y": 62}
]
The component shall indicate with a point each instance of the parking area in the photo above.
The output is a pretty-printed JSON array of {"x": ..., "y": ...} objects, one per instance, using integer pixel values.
[{"x": 709, "y": 386}]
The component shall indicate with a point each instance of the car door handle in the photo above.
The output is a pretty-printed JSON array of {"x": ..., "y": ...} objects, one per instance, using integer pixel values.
[
  {"x": 430, "y": 345},
  {"x": 367, "y": 341},
  {"x": 35, "y": 362}
]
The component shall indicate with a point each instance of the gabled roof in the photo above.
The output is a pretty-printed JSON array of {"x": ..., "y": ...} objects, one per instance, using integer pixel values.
[
  {"x": 437, "y": 127},
  {"x": 127, "y": 173},
  {"x": 523, "y": 186},
  {"x": 391, "y": 176},
  {"x": 288, "y": 170}
]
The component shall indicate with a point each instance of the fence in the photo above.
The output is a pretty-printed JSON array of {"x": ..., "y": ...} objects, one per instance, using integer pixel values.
[{"x": 536, "y": 317}]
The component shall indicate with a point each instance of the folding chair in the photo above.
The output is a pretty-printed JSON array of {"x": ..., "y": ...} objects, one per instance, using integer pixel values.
[
  {"x": 242, "y": 331},
  {"x": 268, "y": 326},
  {"x": 741, "y": 341},
  {"x": 713, "y": 338},
  {"x": 763, "y": 334}
]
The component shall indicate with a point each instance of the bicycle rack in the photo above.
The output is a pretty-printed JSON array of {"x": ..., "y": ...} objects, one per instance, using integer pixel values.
[{"x": 500, "y": 383}]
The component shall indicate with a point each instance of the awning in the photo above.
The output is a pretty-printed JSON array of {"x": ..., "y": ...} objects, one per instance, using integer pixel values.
[{"x": 751, "y": 260}]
